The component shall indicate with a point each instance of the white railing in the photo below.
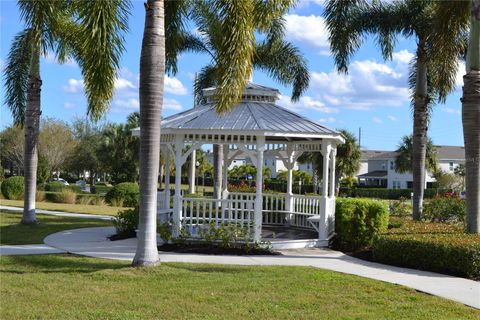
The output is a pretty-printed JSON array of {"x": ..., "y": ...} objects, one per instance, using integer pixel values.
[
  {"x": 202, "y": 211},
  {"x": 162, "y": 202},
  {"x": 307, "y": 204}
]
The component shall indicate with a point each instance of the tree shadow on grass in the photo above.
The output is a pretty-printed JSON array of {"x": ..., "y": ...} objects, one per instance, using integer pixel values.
[
  {"x": 210, "y": 268},
  {"x": 57, "y": 263}
]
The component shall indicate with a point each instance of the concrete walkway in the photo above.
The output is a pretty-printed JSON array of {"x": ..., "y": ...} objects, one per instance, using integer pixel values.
[
  {"x": 93, "y": 242},
  {"x": 28, "y": 249},
  {"x": 60, "y": 213}
]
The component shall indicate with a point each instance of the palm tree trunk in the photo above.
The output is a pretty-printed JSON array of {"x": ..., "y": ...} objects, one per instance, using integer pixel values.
[
  {"x": 217, "y": 170},
  {"x": 32, "y": 130},
  {"x": 152, "y": 73},
  {"x": 420, "y": 127},
  {"x": 471, "y": 120}
]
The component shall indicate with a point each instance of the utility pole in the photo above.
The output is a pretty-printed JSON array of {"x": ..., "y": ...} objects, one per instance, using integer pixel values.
[{"x": 360, "y": 138}]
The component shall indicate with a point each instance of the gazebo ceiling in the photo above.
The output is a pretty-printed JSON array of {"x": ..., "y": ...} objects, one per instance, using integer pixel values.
[{"x": 256, "y": 114}]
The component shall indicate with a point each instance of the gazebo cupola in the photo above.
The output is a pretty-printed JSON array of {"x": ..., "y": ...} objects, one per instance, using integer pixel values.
[{"x": 254, "y": 127}]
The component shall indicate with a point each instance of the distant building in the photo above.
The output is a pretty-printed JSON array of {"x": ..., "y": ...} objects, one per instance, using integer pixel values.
[{"x": 377, "y": 168}]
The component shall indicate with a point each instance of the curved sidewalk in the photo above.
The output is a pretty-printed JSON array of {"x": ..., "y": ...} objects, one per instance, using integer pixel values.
[{"x": 93, "y": 242}]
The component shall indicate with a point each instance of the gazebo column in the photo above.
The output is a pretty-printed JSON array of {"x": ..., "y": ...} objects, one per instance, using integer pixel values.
[
  {"x": 258, "y": 216},
  {"x": 225, "y": 166},
  {"x": 191, "y": 172},
  {"x": 177, "y": 205},
  {"x": 332, "y": 204},
  {"x": 333, "y": 155},
  {"x": 167, "y": 177},
  {"x": 324, "y": 214},
  {"x": 289, "y": 196}
]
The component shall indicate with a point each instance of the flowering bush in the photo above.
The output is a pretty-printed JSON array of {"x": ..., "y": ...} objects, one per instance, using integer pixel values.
[{"x": 445, "y": 209}]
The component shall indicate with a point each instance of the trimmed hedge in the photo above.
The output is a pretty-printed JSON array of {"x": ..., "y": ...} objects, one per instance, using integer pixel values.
[
  {"x": 56, "y": 186},
  {"x": 124, "y": 194},
  {"x": 100, "y": 188},
  {"x": 448, "y": 253},
  {"x": 12, "y": 188},
  {"x": 126, "y": 221},
  {"x": 384, "y": 193},
  {"x": 358, "y": 222}
]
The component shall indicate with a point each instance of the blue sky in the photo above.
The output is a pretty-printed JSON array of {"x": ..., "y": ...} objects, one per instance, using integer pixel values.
[{"x": 373, "y": 96}]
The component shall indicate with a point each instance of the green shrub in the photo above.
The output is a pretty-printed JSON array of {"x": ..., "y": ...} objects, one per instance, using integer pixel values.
[
  {"x": 100, "y": 188},
  {"x": 358, "y": 222},
  {"x": 63, "y": 196},
  {"x": 384, "y": 193},
  {"x": 40, "y": 196},
  {"x": 123, "y": 194},
  {"x": 126, "y": 221},
  {"x": 56, "y": 186},
  {"x": 445, "y": 209},
  {"x": 12, "y": 188},
  {"x": 400, "y": 208},
  {"x": 449, "y": 253}
]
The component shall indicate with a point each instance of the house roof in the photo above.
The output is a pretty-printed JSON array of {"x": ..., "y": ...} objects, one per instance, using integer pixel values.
[
  {"x": 443, "y": 153},
  {"x": 368, "y": 154},
  {"x": 257, "y": 113},
  {"x": 374, "y": 174},
  {"x": 450, "y": 153}
]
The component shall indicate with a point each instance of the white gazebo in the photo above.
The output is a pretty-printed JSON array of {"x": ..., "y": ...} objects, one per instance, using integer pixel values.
[{"x": 253, "y": 128}]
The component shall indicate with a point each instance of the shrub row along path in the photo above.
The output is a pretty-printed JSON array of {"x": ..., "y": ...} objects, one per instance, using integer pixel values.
[
  {"x": 93, "y": 242},
  {"x": 60, "y": 213}
]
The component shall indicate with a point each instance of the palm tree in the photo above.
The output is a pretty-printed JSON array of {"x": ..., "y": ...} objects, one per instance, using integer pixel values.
[
  {"x": 239, "y": 19},
  {"x": 404, "y": 159},
  {"x": 66, "y": 28},
  {"x": 278, "y": 58},
  {"x": 432, "y": 71},
  {"x": 454, "y": 15}
]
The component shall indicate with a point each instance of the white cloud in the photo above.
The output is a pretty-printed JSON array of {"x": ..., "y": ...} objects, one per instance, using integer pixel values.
[
  {"x": 74, "y": 86},
  {"x": 451, "y": 110},
  {"x": 461, "y": 70},
  {"x": 368, "y": 84},
  {"x": 125, "y": 106},
  {"x": 122, "y": 84},
  {"x": 403, "y": 56},
  {"x": 393, "y": 118},
  {"x": 172, "y": 104},
  {"x": 327, "y": 120},
  {"x": 68, "y": 105},
  {"x": 175, "y": 86},
  {"x": 377, "y": 120},
  {"x": 309, "y": 30},
  {"x": 306, "y": 103}
]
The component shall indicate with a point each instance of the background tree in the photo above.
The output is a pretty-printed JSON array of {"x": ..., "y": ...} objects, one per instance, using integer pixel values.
[
  {"x": 448, "y": 181},
  {"x": 404, "y": 159},
  {"x": 12, "y": 145},
  {"x": 433, "y": 71},
  {"x": 56, "y": 143},
  {"x": 64, "y": 27},
  {"x": 347, "y": 160}
]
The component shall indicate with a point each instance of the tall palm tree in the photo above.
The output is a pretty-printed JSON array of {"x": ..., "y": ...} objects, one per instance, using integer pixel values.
[
  {"x": 432, "y": 71},
  {"x": 158, "y": 54},
  {"x": 278, "y": 58},
  {"x": 66, "y": 28},
  {"x": 404, "y": 159}
]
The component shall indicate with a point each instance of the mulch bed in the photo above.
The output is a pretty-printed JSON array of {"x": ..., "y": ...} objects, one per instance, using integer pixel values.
[{"x": 214, "y": 250}]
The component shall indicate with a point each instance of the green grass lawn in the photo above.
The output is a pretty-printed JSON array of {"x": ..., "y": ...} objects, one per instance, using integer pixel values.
[
  {"x": 12, "y": 232},
  {"x": 74, "y": 208},
  {"x": 72, "y": 287}
]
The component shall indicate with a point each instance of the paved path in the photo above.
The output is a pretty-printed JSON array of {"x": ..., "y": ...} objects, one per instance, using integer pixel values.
[
  {"x": 61, "y": 214},
  {"x": 28, "y": 249},
  {"x": 93, "y": 242}
]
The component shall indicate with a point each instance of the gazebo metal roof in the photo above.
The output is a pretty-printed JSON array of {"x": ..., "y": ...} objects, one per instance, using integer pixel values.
[{"x": 257, "y": 113}]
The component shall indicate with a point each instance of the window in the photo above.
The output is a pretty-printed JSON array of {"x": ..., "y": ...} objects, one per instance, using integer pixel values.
[
  {"x": 451, "y": 166},
  {"x": 273, "y": 162},
  {"x": 266, "y": 162},
  {"x": 392, "y": 166}
]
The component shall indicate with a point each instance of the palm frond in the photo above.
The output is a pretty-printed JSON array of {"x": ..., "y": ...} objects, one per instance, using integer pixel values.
[
  {"x": 266, "y": 12},
  {"x": 16, "y": 75},
  {"x": 102, "y": 27},
  {"x": 175, "y": 16},
  {"x": 206, "y": 78},
  {"x": 283, "y": 62},
  {"x": 235, "y": 54}
]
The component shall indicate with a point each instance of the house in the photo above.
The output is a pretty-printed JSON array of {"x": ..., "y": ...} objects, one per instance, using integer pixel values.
[{"x": 380, "y": 167}]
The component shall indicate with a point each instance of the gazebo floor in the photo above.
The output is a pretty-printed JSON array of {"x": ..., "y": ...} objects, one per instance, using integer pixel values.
[{"x": 282, "y": 237}]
